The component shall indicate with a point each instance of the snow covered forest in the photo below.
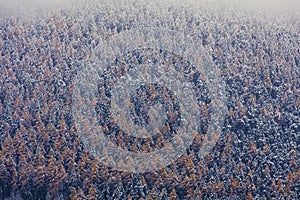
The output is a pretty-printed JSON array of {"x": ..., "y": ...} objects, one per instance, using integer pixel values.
[{"x": 256, "y": 52}]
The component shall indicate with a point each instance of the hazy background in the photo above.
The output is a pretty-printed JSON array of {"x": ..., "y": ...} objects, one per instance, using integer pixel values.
[{"x": 22, "y": 7}]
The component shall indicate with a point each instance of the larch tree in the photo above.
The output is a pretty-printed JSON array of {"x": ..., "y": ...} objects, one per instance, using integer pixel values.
[{"x": 92, "y": 193}]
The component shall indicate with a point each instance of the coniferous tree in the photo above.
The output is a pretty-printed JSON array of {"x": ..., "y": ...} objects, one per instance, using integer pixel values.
[{"x": 92, "y": 193}]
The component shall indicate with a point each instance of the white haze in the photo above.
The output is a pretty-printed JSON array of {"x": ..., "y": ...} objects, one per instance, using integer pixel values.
[{"x": 29, "y": 7}]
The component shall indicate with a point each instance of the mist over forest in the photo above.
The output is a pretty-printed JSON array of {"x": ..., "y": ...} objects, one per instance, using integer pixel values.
[{"x": 24, "y": 7}]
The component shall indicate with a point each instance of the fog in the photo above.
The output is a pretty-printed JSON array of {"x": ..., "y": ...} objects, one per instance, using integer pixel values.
[{"x": 28, "y": 7}]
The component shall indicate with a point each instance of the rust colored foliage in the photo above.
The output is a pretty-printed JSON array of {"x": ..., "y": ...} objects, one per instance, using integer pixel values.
[{"x": 42, "y": 155}]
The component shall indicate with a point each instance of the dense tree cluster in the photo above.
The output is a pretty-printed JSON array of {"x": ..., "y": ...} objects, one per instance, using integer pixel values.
[{"x": 42, "y": 156}]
